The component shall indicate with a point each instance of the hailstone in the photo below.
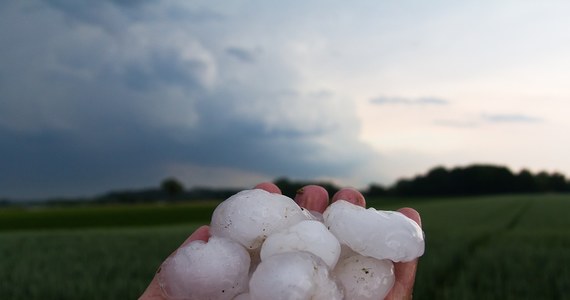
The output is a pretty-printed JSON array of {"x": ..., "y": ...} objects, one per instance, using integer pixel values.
[
  {"x": 244, "y": 296},
  {"x": 365, "y": 278},
  {"x": 313, "y": 215},
  {"x": 379, "y": 234},
  {"x": 250, "y": 216},
  {"x": 217, "y": 269},
  {"x": 293, "y": 275},
  {"x": 311, "y": 236}
]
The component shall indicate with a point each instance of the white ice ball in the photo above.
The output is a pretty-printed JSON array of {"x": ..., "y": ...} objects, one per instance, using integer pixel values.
[
  {"x": 293, "y": 275},
  {"x": 313, "y": 215},
  {"x": 217, "y": 269},
  {"x": 365, "y": 278},
  {"x": 379, "y": 234},
  {"x": 244, "y": 296},
  {"x": 311, "y": 236},
  {"x": 345, "y": 252},
  {"x": 250, "y": 216}
]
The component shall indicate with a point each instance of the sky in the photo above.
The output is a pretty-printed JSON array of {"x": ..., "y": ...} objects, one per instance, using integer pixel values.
[{"x": 121, "y": 94}]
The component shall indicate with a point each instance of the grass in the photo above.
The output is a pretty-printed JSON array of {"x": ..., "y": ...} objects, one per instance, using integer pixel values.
[
  {"x": 508, "y": 247},
  {"x": 84, "y": 264},
  {"x": 111, "y": 215},
  {"x": 505, "y": 247}
]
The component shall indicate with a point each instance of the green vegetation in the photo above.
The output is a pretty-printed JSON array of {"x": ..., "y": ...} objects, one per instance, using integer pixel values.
[
  {"x": 108, "y": 215},
  {"x": 501, "y": 247},
  {"x": 507, "y": 247},
  {"x": 84, "y": 264}
]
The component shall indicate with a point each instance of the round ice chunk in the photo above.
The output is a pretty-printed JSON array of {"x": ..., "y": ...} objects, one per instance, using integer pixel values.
[
  {"x": 365, "y": 278},
  {"x": 311, "y": 236},
  {"x": 293, "y": 275},
  {"x": 249, "y": 216},
  {"x": 379, "y": 234},
  {"x": 244, "y": 296},
  {"x": 313, "y": 215},
  {"x": 217, "y": 269},
  {"x": 345, "y": 252}
]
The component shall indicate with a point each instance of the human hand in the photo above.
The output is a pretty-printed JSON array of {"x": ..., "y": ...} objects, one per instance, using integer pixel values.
[{"x": 316, "y": 198}]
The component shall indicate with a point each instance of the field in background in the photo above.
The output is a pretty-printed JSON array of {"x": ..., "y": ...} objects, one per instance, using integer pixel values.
[{"x": 507, "y": 247}]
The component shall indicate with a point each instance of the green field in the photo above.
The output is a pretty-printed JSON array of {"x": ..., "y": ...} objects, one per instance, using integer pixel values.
[{"x": 507, "y": 247}]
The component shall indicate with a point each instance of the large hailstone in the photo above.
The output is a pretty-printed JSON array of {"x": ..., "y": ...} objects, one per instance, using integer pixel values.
[
  {"x": 250, "y": 216},
  {"x": 293, "y": 275},
  {"x": 365, "y": 278},
  {"x": 379, "y": 234},
  {"x": 217, "y": 269},
  {"x": 311, "y": 236},
  {"x": 244, "y": 296}
]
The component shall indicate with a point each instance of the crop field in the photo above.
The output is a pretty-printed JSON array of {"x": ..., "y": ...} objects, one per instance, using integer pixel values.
[{"x": 502, "y": 247}]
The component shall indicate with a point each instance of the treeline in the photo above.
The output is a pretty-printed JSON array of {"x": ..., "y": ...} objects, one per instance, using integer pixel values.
[
  {"x": 160, "y": 194},
  {"x": 474, "y": 180},
  {"x": 459, "y": 181},
  {"x": 172, "y": 190}
]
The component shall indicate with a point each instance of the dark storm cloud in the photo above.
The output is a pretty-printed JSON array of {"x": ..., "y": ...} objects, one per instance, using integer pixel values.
[
  {"x": 224, "y": 137},
  {"x": 54, "y": 163},
  {"x": 163, "y": 67},
  {"x": 115, "y": 15},
  {"x": 107, "y": 14},
  {"x": 83, "y": 110},
  {"x": 408, "y": 101},
  {"x": 241, "y": 54}
]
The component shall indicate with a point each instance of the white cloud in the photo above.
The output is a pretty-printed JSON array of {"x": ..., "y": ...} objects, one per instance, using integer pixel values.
[
  {"x": 382, "y": 100},
  {"x": 510, "y": 118}
]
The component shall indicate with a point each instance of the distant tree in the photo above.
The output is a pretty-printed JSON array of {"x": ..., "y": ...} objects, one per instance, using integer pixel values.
[
  {"x": 289, "y": 188},
  {"x": 470, "y": 180},
  {"x": 375, "y": 190},
  {"x": 435, "y": 182},
  {"x": 488, "y": 179},
  {"x": 554, "y": 182},
  {"x": 557, "y": 182},
  {"x": 525, "y": 182},
  {"x": 404, "y": 187},
  {"x": 172, "y": 187}
]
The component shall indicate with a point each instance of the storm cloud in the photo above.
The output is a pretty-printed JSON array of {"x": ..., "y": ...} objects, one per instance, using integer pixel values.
[{"x": 112, "y": 94}]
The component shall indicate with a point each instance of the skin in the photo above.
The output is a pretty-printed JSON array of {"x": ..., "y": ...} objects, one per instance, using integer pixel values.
[{"x": 316, "y": 198}]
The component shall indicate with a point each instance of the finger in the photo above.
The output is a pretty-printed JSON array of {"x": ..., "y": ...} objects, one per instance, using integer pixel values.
[
  {"x": 269, "y": 187},
  {"x": 405, "y": 272},
  {"x": 153, "y": 291},
  {"x": 412, "y": 214},
  {"x": 313, "y": 197},
  {"x": 200, "y": 234},
  {"x": 351, "y": 195}
]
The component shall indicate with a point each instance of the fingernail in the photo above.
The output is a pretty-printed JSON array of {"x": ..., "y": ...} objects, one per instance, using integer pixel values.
[
  {"x": 351, "y": 195},
  {"x": 269, "y": 187},
  {"x": 312, "y": 197},
  {"x": 412, "y": 214}
]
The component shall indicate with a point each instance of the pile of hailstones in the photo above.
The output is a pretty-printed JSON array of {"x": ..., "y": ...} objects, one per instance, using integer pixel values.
[{"x": 264, "y": 246}]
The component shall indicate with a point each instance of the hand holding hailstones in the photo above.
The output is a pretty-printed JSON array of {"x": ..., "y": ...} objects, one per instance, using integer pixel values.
[{"x": 265, "y": 246}]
